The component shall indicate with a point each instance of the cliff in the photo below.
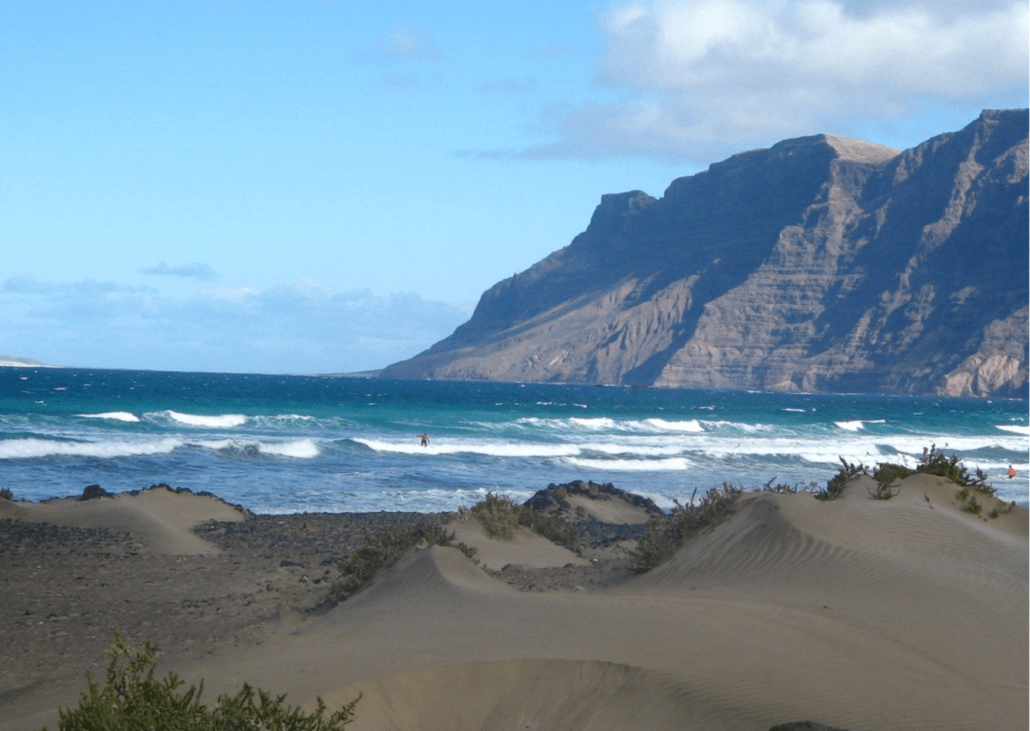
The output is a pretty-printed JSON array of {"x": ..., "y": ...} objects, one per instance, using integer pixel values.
[{"x": 819, "y": 264}]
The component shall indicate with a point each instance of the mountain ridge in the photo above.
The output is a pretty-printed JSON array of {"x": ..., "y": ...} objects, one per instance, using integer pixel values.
[{"x": 821, "y": 263}]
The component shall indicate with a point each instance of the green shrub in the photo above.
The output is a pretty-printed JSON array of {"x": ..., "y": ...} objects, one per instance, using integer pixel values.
[
  {"x": 132, "y": 700},
  {"x": 553, "y": 528},
  {"x": 666, "y": 534},
  {"x": 835, "y": 485},
  {"x": 934, "y": 462},
  {"x": 501, "y": 515},
  {"x": 385, "y": 548},
  {"x": 885, "y": 475},
  {"x": 785, "y": 489},
  {"x": 6, "y": 494}
]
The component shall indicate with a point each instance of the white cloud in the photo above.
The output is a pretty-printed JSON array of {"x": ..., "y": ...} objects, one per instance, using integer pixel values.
[
  {"x": 298, "y": 327},
  {"x": 699, "y": 79}
]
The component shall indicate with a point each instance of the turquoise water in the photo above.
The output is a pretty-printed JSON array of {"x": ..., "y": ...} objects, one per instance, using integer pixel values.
[{"x": 282, "y": 444}]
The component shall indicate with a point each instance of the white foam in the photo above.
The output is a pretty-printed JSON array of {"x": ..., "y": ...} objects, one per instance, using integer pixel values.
[
  {"x": 849, "y": 425},
  {"x": 33, "y": 448},
  {"x": 113, "y": 415},
  {"x": 496, "y": 449},
  {"x": 633, "y": 448},
  {"x": 632, "y": 465},
  {"x": 1015, "y": 429},
  {"x": 297, "y": 449},
  {"x": 596, "y": 424},
  {"x": 222, "y": 421},
  {"x": 690, "y": 426},
  {"x": 300, "y": 449}
]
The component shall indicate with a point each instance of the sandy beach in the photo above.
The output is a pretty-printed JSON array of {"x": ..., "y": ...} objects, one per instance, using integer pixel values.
[{"x": 909, "y": 613}]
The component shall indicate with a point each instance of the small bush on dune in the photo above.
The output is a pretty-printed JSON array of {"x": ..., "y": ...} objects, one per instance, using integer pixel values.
[
  {"x": 132, "y": 700},
  {"x": 384, "y": 549},
  {"x": 666, "y": 534},
  {"x": 933, "y": 462},
  {"x": 785, "y": 489},
  {"x": 501, "y": 515},
  {"x": 556, "y": 530},
  {"x": 6, "y": 494},
  {"x": 835, "y": 485}
]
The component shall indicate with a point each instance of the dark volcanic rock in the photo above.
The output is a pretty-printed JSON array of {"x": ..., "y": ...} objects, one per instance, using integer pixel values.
[{"x": 820, "y": 264}]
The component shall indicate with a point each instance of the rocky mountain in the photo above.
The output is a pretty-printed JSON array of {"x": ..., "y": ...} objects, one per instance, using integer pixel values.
[{"x": 819, "y": 264}]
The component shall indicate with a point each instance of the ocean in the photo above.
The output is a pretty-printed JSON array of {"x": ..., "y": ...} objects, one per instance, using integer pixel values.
[{"x": 286, "y": 444}]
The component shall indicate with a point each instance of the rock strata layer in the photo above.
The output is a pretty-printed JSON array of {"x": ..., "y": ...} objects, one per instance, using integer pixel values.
[{"x": 819, "y": 264}]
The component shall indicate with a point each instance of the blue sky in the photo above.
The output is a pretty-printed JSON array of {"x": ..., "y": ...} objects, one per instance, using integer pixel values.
[{"x": 326, "y": 186}]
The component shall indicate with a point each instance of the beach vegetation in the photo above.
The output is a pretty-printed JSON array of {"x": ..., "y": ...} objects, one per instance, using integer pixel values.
[
  {"x": 835, "y": 485},
  {"x": 785, "y": 489},
  {"x": 6, "y": 494},
  {"x": 385, "y": 548},
  {"x": 500, "y": 516},
  {"x": 886, "y": 474},
  {"x": 666, "y": 534},
  {"x": 133, "y": 699},
  {"x": 933, "y": 462}
]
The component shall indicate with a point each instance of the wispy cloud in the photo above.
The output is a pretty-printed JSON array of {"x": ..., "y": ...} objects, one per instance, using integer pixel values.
[
  {"x": 407, "y": 44},
  {"x": 699, "y": 79},
  {"x": 195, "y": 270},
  {"x": 301, "y": 326}
]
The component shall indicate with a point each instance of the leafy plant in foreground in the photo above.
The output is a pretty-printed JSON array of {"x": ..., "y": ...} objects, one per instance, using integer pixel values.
[{"x": 133, "y": 700}]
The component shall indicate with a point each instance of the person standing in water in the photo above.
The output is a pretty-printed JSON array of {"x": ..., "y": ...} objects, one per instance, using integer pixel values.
[{"x": 425, "y": 439}]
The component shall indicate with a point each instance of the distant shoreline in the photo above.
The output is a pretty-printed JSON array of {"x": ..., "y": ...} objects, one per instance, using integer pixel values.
[{"x": 12, "y": 362}]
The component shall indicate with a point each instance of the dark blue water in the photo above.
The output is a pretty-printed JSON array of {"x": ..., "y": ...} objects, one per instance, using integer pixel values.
[{"x": 315, "y": 443}]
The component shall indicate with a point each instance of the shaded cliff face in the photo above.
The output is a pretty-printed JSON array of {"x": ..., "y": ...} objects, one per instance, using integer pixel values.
[{"x": 820, "y": 264}]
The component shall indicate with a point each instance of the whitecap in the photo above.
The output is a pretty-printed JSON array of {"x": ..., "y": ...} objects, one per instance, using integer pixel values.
[
  {"x": 690, "y": 425},
  {"x": 113, "y": 415},
  {"x": 222, "y": 421},
  {"x": 494, "y": 449},
  {"x": 632, "y": 465},
  {"x": 33, "y": 448},
  {"x": 1015, "y": 429},
  {"x": 849, "y": 425},
  {"x": 856, "y": 424},
  {"x": 632, "y": 448},
  {"x": 300, "y": 449}
]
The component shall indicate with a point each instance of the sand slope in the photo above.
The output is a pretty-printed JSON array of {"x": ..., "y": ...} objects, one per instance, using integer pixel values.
[
  {"x": 861, "y": 614},
  {"x": 160, "y": 518},
  {"x": 907, "y": 614}
]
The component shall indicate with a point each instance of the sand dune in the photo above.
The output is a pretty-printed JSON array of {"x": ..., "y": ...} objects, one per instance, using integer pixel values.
[
  {"x": 907, "y": 614},
  {"x": 160, "y": 518}
]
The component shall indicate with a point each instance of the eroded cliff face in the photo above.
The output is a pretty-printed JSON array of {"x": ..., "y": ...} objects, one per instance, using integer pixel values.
[{"x": 820, "y": 264}]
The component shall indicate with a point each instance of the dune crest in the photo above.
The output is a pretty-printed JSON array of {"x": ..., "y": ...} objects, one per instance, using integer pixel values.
[{"x": 160, "y": 518}]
